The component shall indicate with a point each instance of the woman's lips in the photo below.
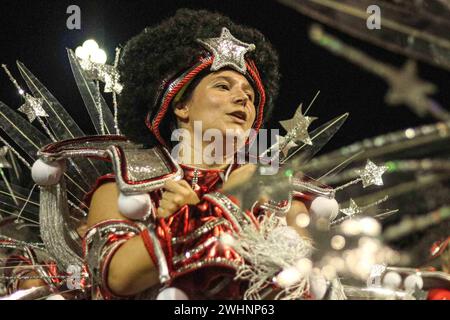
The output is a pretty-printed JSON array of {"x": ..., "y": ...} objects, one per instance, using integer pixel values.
[{"x": 238, "y": 116}]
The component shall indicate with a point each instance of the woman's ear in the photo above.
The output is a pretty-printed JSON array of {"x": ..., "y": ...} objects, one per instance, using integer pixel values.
[{"x": 182, "y": 111}]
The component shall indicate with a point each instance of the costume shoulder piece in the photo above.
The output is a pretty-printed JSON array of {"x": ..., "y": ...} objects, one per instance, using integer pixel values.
[{"x": 137, "y": 169}]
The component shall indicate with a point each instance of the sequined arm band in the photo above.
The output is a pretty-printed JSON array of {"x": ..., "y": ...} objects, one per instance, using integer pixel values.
[
  {"x": 156, "y": 252},
  {"x": 100, "y": 244},
  {"x": 235, "y": 215}
]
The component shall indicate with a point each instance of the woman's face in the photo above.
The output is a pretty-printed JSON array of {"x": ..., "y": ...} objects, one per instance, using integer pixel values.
[{"x": 222, "y": 100}]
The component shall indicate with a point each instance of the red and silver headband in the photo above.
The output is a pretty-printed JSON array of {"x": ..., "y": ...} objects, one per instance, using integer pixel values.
[{"x": 223, "y": 52}]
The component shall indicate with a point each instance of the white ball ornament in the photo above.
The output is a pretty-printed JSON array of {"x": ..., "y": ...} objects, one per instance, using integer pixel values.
[
  {"x": 172, "y": 294},
  {"x": 47, "y": 173},
  {"x": 325, "y": 208},
  {"x": 392, "y": 280},
  {"x": 136, "y": 206},
  {"x": 412, "y": 281},
  {"x": 288, "y": 277},
  {"x": 318, "y": 286}
]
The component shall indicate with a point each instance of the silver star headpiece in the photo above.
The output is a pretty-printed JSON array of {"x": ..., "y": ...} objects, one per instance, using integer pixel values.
[
  {"x": 227, "y": 51},
  {"x": 32, "y": 107},
  {"x": 297, "y": 127},
  {"x": 371, "y": 174}
]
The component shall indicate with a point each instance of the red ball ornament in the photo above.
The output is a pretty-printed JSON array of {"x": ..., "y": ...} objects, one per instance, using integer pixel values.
[{"x": 439, "y": 294}]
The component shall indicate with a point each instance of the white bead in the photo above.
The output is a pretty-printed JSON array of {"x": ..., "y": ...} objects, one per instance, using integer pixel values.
[
  {"x": 47, "y": 173},
  {"x": 412, "y": 281},
  {"x": 56, "y": 297},
  {"x": 325, "y": 208},
  {"x": 172, "y": 294},
  {"x": 135, "y": 206},
  {"x": 318, "y": 286},
  {"x": 392, "y": 280}
]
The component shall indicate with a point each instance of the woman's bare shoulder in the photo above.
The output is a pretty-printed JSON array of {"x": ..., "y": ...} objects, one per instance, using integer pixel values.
[{"x": 104, "y": 204}]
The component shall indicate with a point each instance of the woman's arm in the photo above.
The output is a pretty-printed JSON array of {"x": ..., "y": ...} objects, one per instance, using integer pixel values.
[{"x": 131, "y": 269}]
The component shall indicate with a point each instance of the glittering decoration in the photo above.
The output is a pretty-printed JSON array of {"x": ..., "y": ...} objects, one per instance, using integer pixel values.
[
  {"x": 405, "y": 87},
  {"x": 267, "y": 250},
  {"x": 4, "y": 163},
  {"x": 103, "y": 72},
  {"x": 352, "y": 209},
  {"x": 427, "y": 41},
  {"x": 32, "y": 108},
  {"x": 227, "y": 51},
  {"x": 371, "y": 175},
  {"x": 297, "y": 128}
]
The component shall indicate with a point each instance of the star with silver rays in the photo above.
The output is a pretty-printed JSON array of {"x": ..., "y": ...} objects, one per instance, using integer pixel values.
[
  {"x": 371, "y": 174},
  {"x": 4, "y": 163},
  {"x": 297, "y": 127},
  {"x": 227, "y": 51},
  {"x": 352, "y": 209},
  {"x": 32, "y": 108}
]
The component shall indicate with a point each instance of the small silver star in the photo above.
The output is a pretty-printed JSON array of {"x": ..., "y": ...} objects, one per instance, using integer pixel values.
[
  {"x": 285, "y": 144},
  {"x": 371, "y": 174},
  {"x": 297, "y": 127},
  {"x": 227, "y": 51},
  {"x": 352, "y": 209},
  {"x": 4, "y": 163},
  {"x": 32, "y": 108}
]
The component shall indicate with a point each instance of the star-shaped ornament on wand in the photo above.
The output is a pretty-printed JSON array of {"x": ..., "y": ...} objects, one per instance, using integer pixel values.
[
  {"x": 32, "y": 107},
  {"x": 297, "y": 127},
  {"x": 227, "y": 51},
  {"x": 371, "y": 174}
]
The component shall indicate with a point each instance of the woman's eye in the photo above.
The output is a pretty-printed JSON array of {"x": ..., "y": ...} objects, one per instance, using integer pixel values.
[{"x": 222, "y": 86}]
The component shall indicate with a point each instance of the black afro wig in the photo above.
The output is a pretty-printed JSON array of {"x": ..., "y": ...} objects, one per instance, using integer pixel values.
[{"x": 163, "y": 51}]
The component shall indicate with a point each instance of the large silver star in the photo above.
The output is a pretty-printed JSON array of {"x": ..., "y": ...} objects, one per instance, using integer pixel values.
[
  {"x": 297, "y": 127},
  {"x": 227, "y": 51},
  {"x": 371, "y": 174},
  {"x": 32, "y": 108},
  {"x": 352, "y": 209},
  {"x": 4, "y": 163}
]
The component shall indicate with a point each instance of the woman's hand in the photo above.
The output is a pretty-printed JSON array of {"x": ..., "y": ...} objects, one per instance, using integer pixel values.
[{"x": 176, "y": 195}]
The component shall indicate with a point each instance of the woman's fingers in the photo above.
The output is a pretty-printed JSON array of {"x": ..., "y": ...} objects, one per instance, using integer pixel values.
[{"x": 176, "y": 186}]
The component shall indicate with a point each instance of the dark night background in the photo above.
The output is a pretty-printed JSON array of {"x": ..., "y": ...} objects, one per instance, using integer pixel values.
[{"x": 35, "y": 33}]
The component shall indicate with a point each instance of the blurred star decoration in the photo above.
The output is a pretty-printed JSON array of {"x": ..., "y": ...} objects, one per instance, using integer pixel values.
[{"x": 93, "y": 62}]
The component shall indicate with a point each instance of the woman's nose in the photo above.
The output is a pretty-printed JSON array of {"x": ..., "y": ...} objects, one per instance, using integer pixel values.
[{"x": 240, "y": 98}]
